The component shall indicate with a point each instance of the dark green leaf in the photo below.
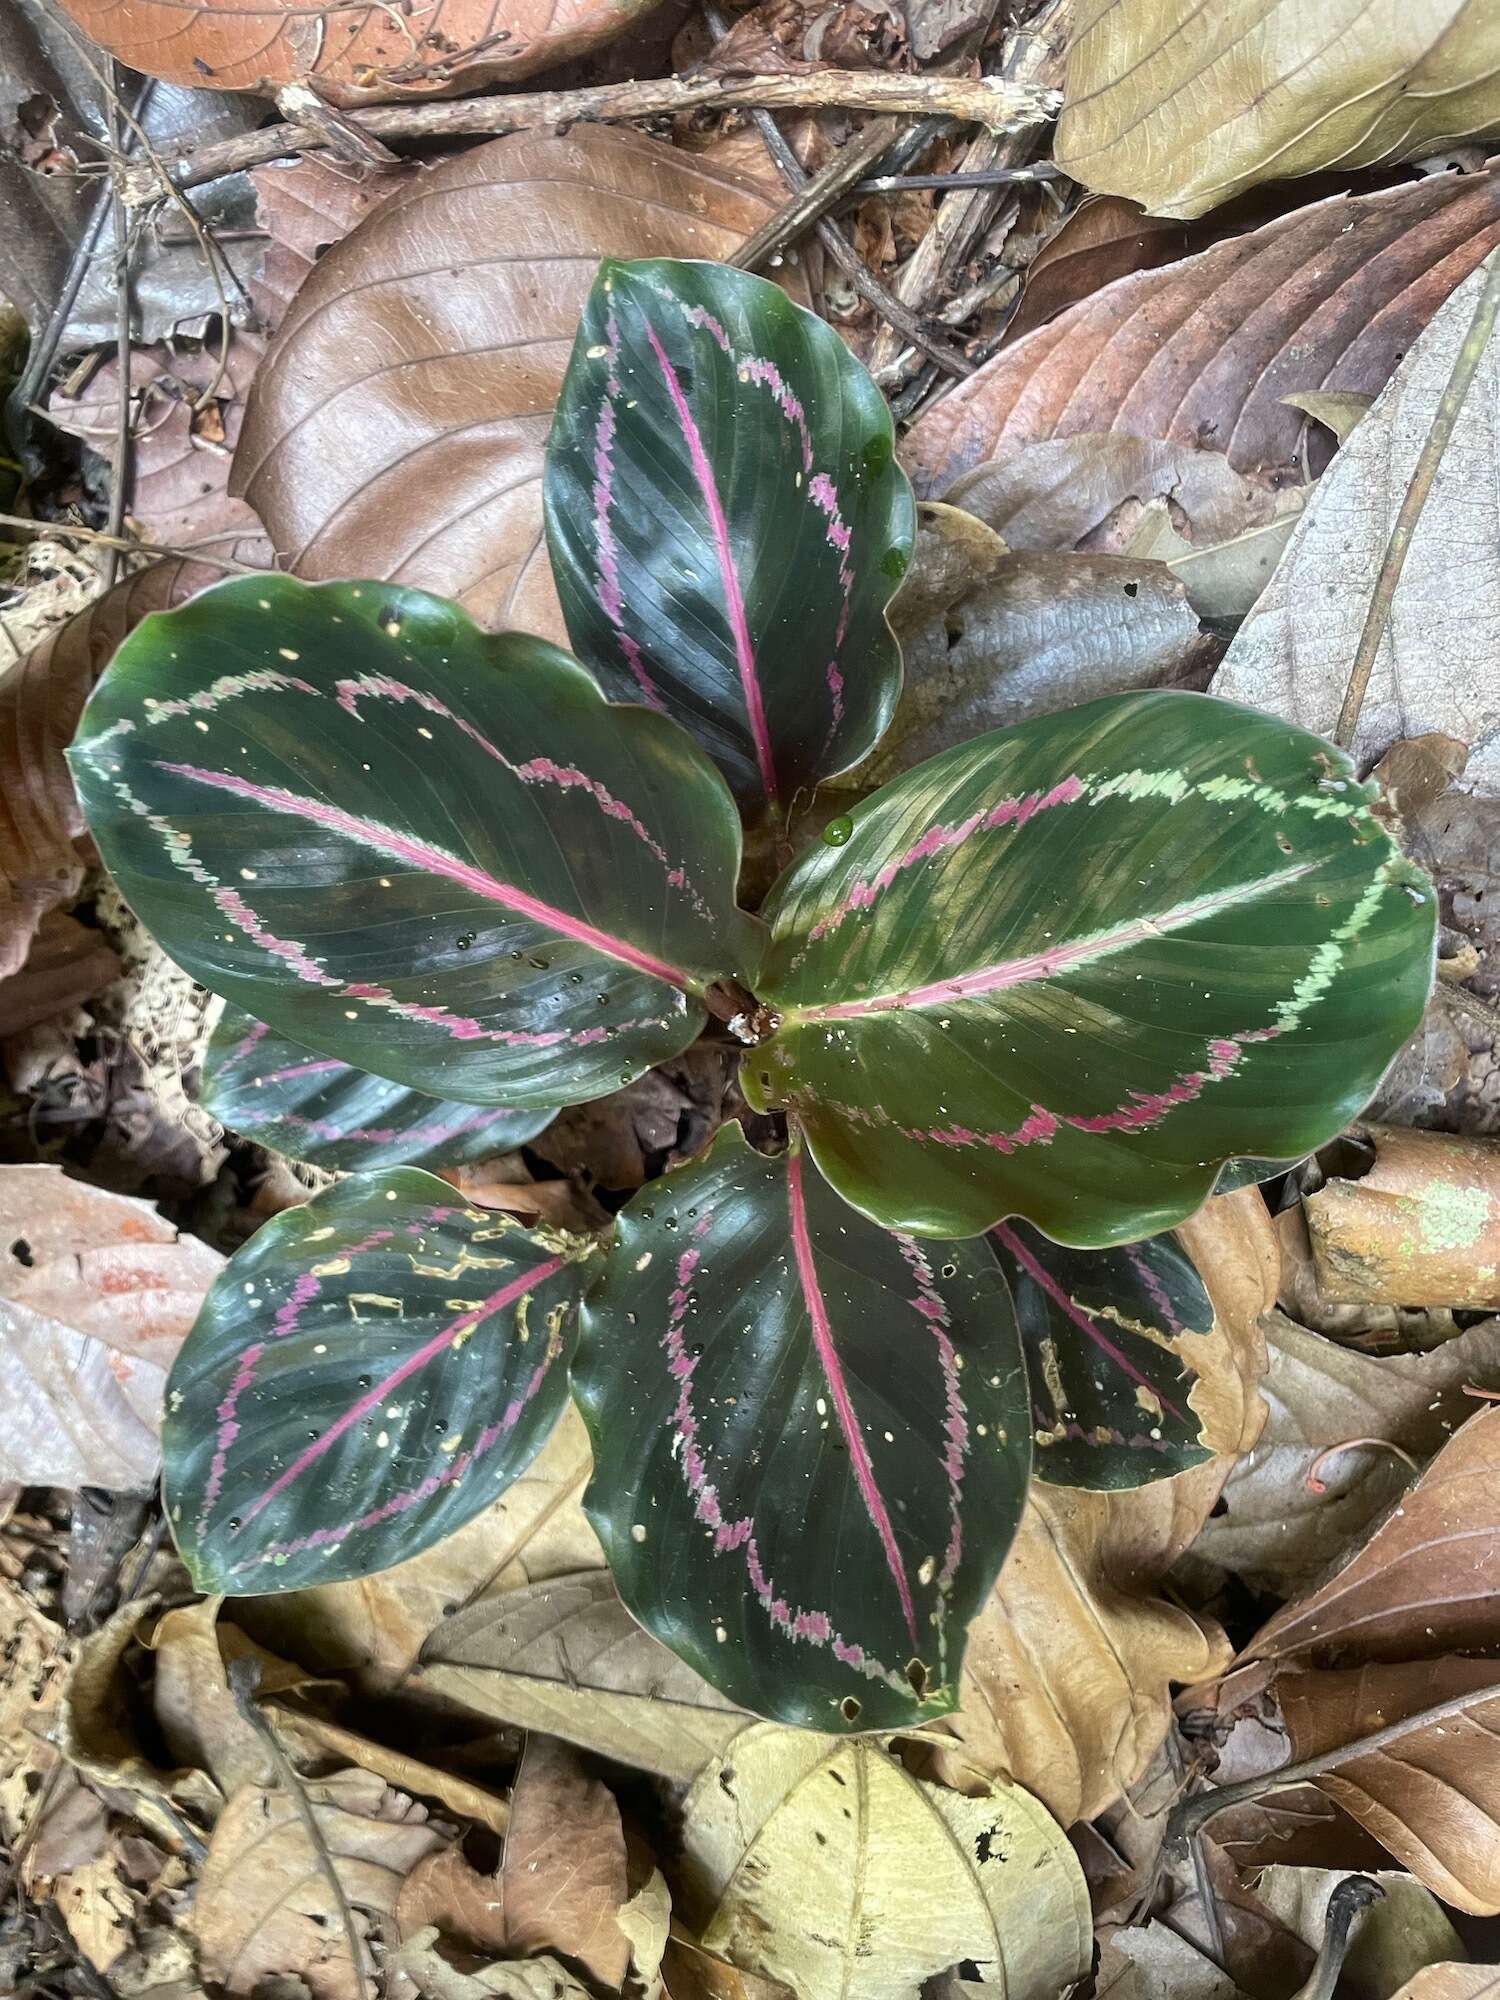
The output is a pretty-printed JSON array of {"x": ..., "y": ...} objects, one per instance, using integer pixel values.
[
  {"x": 811, "y": 1439},
  {"x": 727, "y": 521},
  {"x": 1067, "y": 970},
  {"x": 1108, "y": 1346},
  {"x": 275, "y": 1091},
  {"x": 432, "y": 852},
  {"x": 369, "y": 1372}
]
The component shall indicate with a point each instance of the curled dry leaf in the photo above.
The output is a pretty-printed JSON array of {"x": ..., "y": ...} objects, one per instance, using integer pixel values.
[
  {"x": 563, "y": 1882},
  {"x": 1405, "y": 1624},
  {"x": 396, "y": 427},
  {"x": 1202, "y": 351},
  {"x": 1181, "y": 110},
  {"x": 359, "y": 51},
  {"x": 44, "y": 846},
  {"x": 1273, "y": 1529},
  {"x": 264, "y": 1906},
  {"x": 179, "y": 452},
  {"x": 88, "y": 1333},
  {"x": 1422, "y": 1227},
  {"x": 1103, "y": 239},
  {"x": 1066, "y": 1685},
  {"x": 193, "y": 1705},
  {"x": 792, "y": 1822}
]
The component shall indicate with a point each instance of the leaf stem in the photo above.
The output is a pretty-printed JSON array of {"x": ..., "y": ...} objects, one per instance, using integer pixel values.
[
  {"x": 1188, "y": 1815},
  {"x": 1465, "y": 366}
]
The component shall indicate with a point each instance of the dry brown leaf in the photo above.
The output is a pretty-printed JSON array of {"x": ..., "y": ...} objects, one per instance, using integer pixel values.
[
  {"x": 565, "y": 1656},
  {"x": 466, "y": 1908},
  {"x": 1421, "y": 1227},
  {"x": 1222, "y": 579},
  {"x": 1271, "y": 1529},
  {"x": 563, "y": 1882},
  {"x": 304, "y": 205},
  {"x": 360, "y": 51},
  {"x": 515, "y": 1979},
  {"x": 99, "y": 1911},
  {"x": 1435, "y": 666},
  {"x": 199, "y": 1718},
  {"x": 88, "y": 1332},
  {"x": 67, "y": 963},
  {"x": 1151, "y": 1962},
  {"x": 691, "y": 1973},
  {"x": 314, "y": 1739},
  {"x": 264, "y": 1907},
  {"x": 44, "y": 846},
  {"x": 1103, "y": 239},
  {"x": 1201, "y": 352},
  {"x": 1087, "y": 491},
  {"x": 1452, "y": 1982},
  {"x": 35, "y": 1655},
  {"x": 1179, "y": 109},
  {"x": 374, "y": 1628},
  {"x": 395, "y": 429},
  {"x": 179, "y": 454}
]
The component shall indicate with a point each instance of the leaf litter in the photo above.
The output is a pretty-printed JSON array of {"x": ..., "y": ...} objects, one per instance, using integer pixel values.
[{"x": 1177, "y": 461}]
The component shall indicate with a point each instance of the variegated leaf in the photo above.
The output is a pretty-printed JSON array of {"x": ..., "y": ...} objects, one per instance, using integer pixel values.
[
  {"x": 399, "y": 840},
  {"x": 1067, "y": 970},
  {"x": 811, "y": 1439},
  {"x": 727, "y": 521},
  {"x": 1108, "y": 1336},
  {"x": 367, "y": 1374},
  {"x": 273, "y": 1090}
]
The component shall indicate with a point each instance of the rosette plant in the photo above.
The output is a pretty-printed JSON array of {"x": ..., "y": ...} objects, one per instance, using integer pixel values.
[{"x": 1014, "y": 1011}]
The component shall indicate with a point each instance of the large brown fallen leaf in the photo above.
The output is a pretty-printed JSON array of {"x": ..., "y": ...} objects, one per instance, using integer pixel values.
[
  {"x": 1067, "y": 1681},
  {"x": 1179, "y": 108},
  {"x": 96, "y": 1293},
  {"x": 563, "y": 1883},
  {"x": 1272, "y": 1529},
  {"x": 395, "y": 429},
  {"x": 824, "y": 1864},
  {"x": 264, "y": 1907},
  {"x": 305, "y": 205},
  {"x": 1435, "y": 668},
  {"x": 44, "y": 845},
  {"x": 359, "y": 51},
  {"x": 1202, "y": 351}
]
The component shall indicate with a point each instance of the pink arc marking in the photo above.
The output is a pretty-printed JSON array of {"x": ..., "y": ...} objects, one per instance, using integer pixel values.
[
  {"x": 734, "y": 602},
  {"x": 385, "y": 840},
  {"x": 1046, "y": 964},
  {"x": 1040, "y": 1275},
  {"x": 929, "y": 1303},
  {"x": 838, "y": 1388},
  {"x": 1159, "y": 1295},
  {"x": 372, "y": 1399}
]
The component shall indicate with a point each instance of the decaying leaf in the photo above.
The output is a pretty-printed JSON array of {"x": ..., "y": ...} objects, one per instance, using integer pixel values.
[
  {"x": 565, "y": 1656},
  {"x": 906, "y": 1879},
  {"x": 264, "y": 1905},
  {"x": 515, "y": 1979},
  {"x": 1151, "y": 1962},
  {"x": 1422, "y": 1227},
  {"x": 1181, "y": 110},
  {"x": 396, "y": 427},
  {"x": 1434, "y": 667},
  {"x": 358, "y": 50},
  {"x": 1201, "y": 352},
  {"x": 96, "y": 1293},
  {"x": 1277, "y": 1531},
  {"x": 563, "y": 1883}
]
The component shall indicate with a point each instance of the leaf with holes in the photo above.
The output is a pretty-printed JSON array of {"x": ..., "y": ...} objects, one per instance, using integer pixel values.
[
  {"x": 811, "y": 1440},
  {"x": 313, "y": 1107},
  {"x": 1108, "y": 1338},
  {"x": 367, "y": 1374},
  {"x": 1067, "y": 970},
  {"x": 398, "y": 840},
  {"x": 727, "y": 522}
]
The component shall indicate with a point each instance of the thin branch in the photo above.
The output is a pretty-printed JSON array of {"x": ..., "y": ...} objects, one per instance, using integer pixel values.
[
  {"x": 1186, "y": 1817},
  {"x": 120, "y": 458},
  {"x": 193, "y": 552},
  {"x": 991, "y": 178},
  {"x": 818, "y": 194},
  {"x": 996, "y": 104},
  {"x": 1465, "y": 367}
]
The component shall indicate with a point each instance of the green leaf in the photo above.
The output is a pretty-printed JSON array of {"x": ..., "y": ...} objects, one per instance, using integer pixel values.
[
  {"x": 1107, "y": 1335},
  {"x": 434, "y": 853},
  {"x": 727, "y": 521},
  {"x": 288, "y": 1097},
  {"x": 367, "y": 1374},
  {"x": 1066, "y": 970},
  {"x": 811, "y": 1440}
]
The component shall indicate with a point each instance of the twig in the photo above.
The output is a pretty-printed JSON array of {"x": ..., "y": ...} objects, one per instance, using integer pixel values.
[
  {"x": 244, "y": 1678},
  {"x": 1465, "y": 367},
  {"x": 120, "y": 458},
  {"x": 194, "y": 552},
  {"x": 995, "y": 103},
  {"x": 1315, "y": 1485},
  {"x": 818, "y": 194},
  {"x": 1186, "y": 1817},
  {"x": 992, "y": 177}
]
